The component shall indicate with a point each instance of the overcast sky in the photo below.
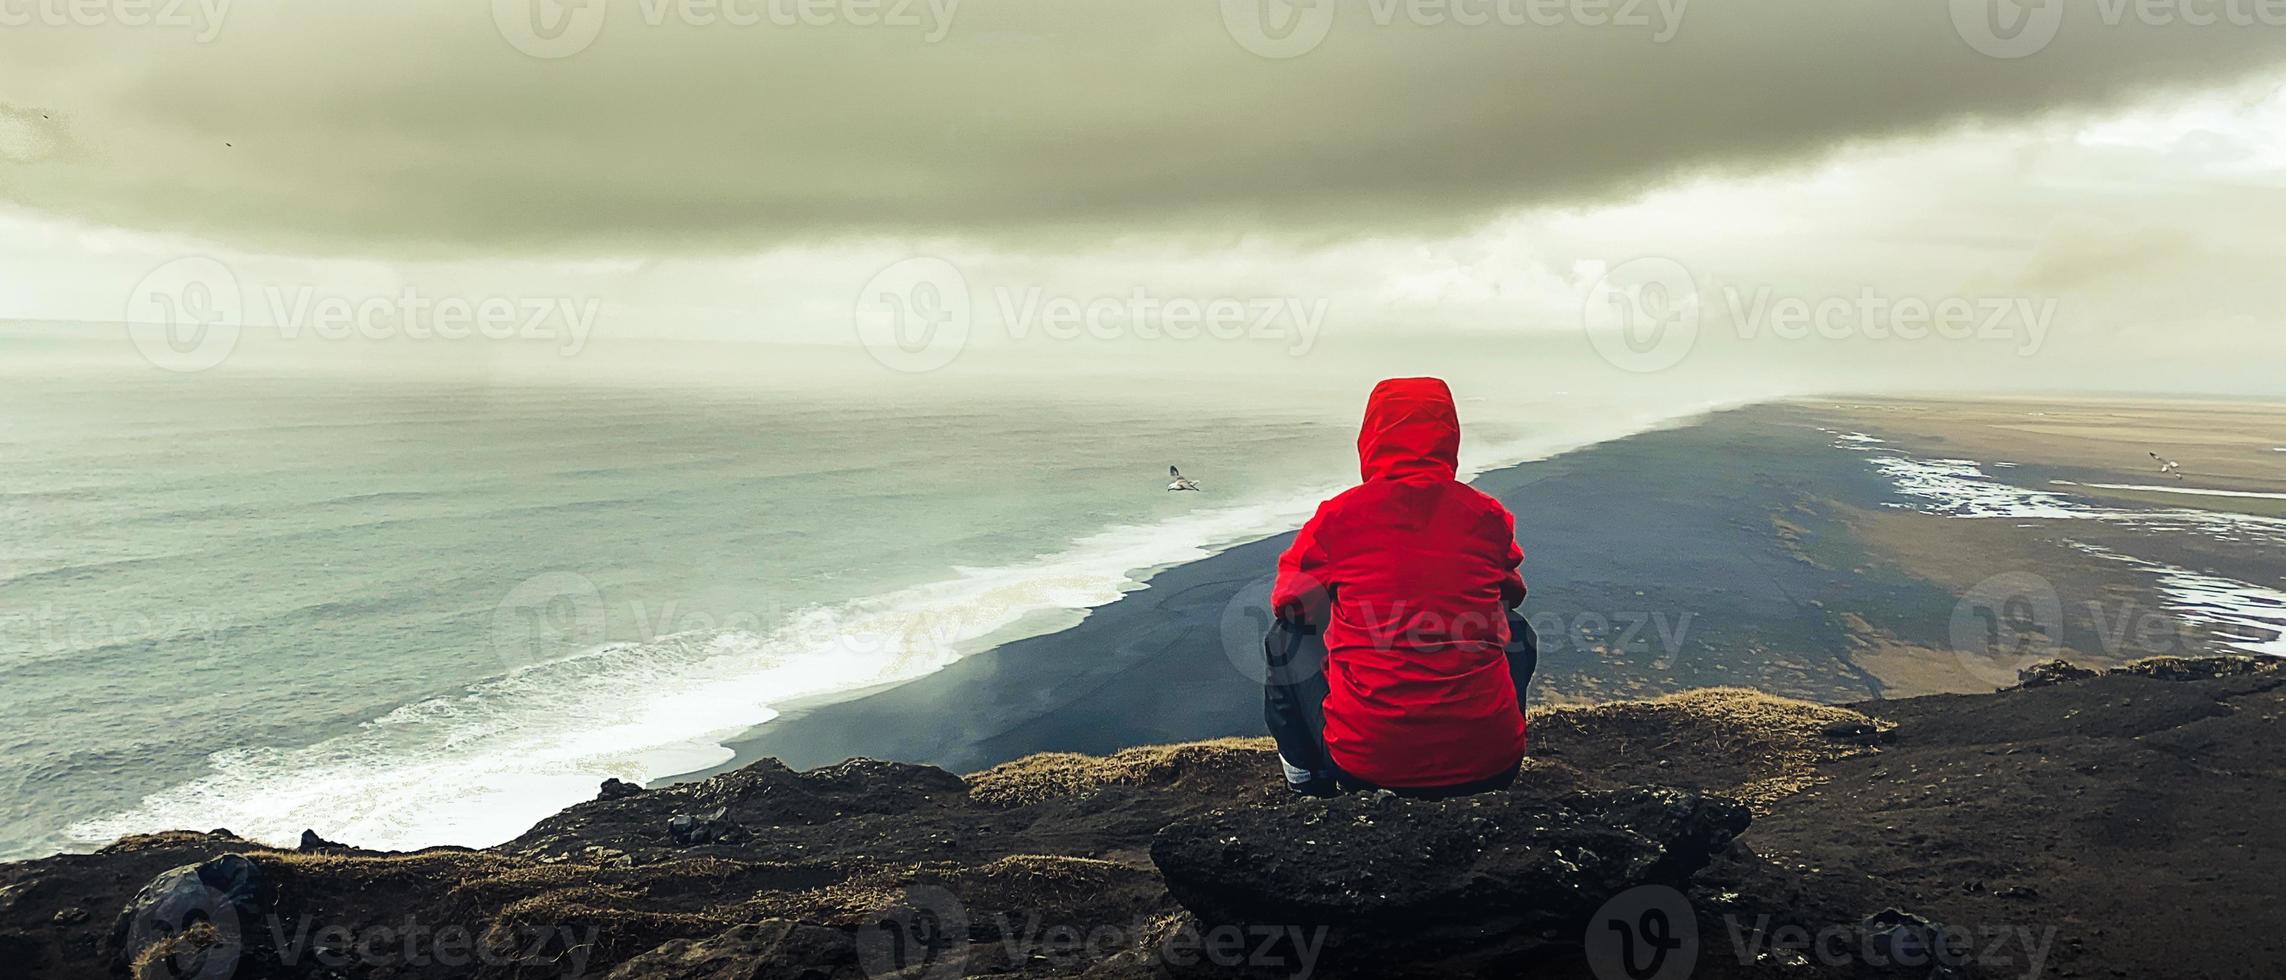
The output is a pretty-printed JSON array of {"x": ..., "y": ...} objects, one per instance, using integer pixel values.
[{"x": 1841, "y": 194}]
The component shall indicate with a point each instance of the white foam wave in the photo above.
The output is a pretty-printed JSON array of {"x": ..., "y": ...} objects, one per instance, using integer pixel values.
[
  {"x": 1959, "y": 488},
  {"x": 2190, "y": 491},
  {"x": 1852, "y": 440},
  {"x": 2247, "y": 617}
]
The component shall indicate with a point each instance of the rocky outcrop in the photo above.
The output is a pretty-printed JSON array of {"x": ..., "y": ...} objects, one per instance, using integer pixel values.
[
  {"x": 2078, "y": 827},
  {"x": 1392, "y": 879},
  {"x": 2052, "y": 673}
]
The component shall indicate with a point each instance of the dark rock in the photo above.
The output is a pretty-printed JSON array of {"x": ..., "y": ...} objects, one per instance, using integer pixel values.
[
  {"x": 1863, "y": 731},
  {"x": 687, "y": 830},
  {"x": 2052, "y": 673},
  {"x": 1494, "y": 873},
  {"x": 312, "y": 842},
  {"x": 1893, "y": 937},
  {"x": 2158, "y": 778},
  {"x": 772, "y": 949},
  {"x": 764, "y": 794},
  {"x": 199, "y": 918},
  {"x": 70, "y": 917},
  {"x": 614, "y": 789}
]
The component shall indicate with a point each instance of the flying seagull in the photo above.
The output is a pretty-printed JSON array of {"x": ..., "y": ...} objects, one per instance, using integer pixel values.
[
  {"x": 1181, "y": 482},
  {"x": 2167, "y": 466}
]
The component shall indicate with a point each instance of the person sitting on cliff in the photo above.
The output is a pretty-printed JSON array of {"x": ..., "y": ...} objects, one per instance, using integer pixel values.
[{"x": 1397, "y": 660}]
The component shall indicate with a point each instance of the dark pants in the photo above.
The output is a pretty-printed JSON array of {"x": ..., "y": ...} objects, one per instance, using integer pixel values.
[{"x": 1294, "y": 695}]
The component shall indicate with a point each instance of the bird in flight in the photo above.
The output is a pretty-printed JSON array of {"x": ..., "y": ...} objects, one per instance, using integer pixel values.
[
  {"x": 1181, "y": 482},
  {"x": 2168, "y": 466}
]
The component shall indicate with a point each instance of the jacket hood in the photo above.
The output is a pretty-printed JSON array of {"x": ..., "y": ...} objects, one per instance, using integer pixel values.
[{"x": 1411, "y": 431}]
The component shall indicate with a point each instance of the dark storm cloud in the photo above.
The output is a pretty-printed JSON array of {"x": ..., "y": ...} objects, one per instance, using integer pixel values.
[{"x": 436, "y": 125}]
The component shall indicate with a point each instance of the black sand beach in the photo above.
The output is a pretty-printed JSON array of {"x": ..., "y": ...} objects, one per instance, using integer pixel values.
[
  {"x": 1752, "y": 547},
  {"x": 1664, "y": 561}
]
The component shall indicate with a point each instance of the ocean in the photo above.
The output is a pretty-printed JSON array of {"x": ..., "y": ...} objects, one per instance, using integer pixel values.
[{"x": 414, "y": 613}]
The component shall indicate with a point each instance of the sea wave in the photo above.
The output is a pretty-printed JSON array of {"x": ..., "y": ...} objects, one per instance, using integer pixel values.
[
  {"x": 479, "y": 767},
  {"x": 2186, "y": 491}
]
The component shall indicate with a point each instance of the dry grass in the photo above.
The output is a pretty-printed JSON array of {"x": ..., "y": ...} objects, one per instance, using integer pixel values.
[
  {"x": 184, "y": 953},
  {"x": 1756, "y": 746},
  {"x": 1055, "y": 775},
  {"x": 1764, "y": 747},
  {"x": 136, "y": 843}
]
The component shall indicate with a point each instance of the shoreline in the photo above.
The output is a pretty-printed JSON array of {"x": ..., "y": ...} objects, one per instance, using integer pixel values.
[
  {"x": 754, "y": 743},
  {"x": 1171, "y": 661},
  {"x": 1754, "y": 552}
]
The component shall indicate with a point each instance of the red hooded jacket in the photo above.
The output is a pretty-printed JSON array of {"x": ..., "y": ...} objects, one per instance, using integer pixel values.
[{"x": 1419, "y": 571}]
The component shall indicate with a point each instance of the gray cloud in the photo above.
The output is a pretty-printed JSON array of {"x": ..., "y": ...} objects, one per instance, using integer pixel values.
[{"x": 417, "y": 126}]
